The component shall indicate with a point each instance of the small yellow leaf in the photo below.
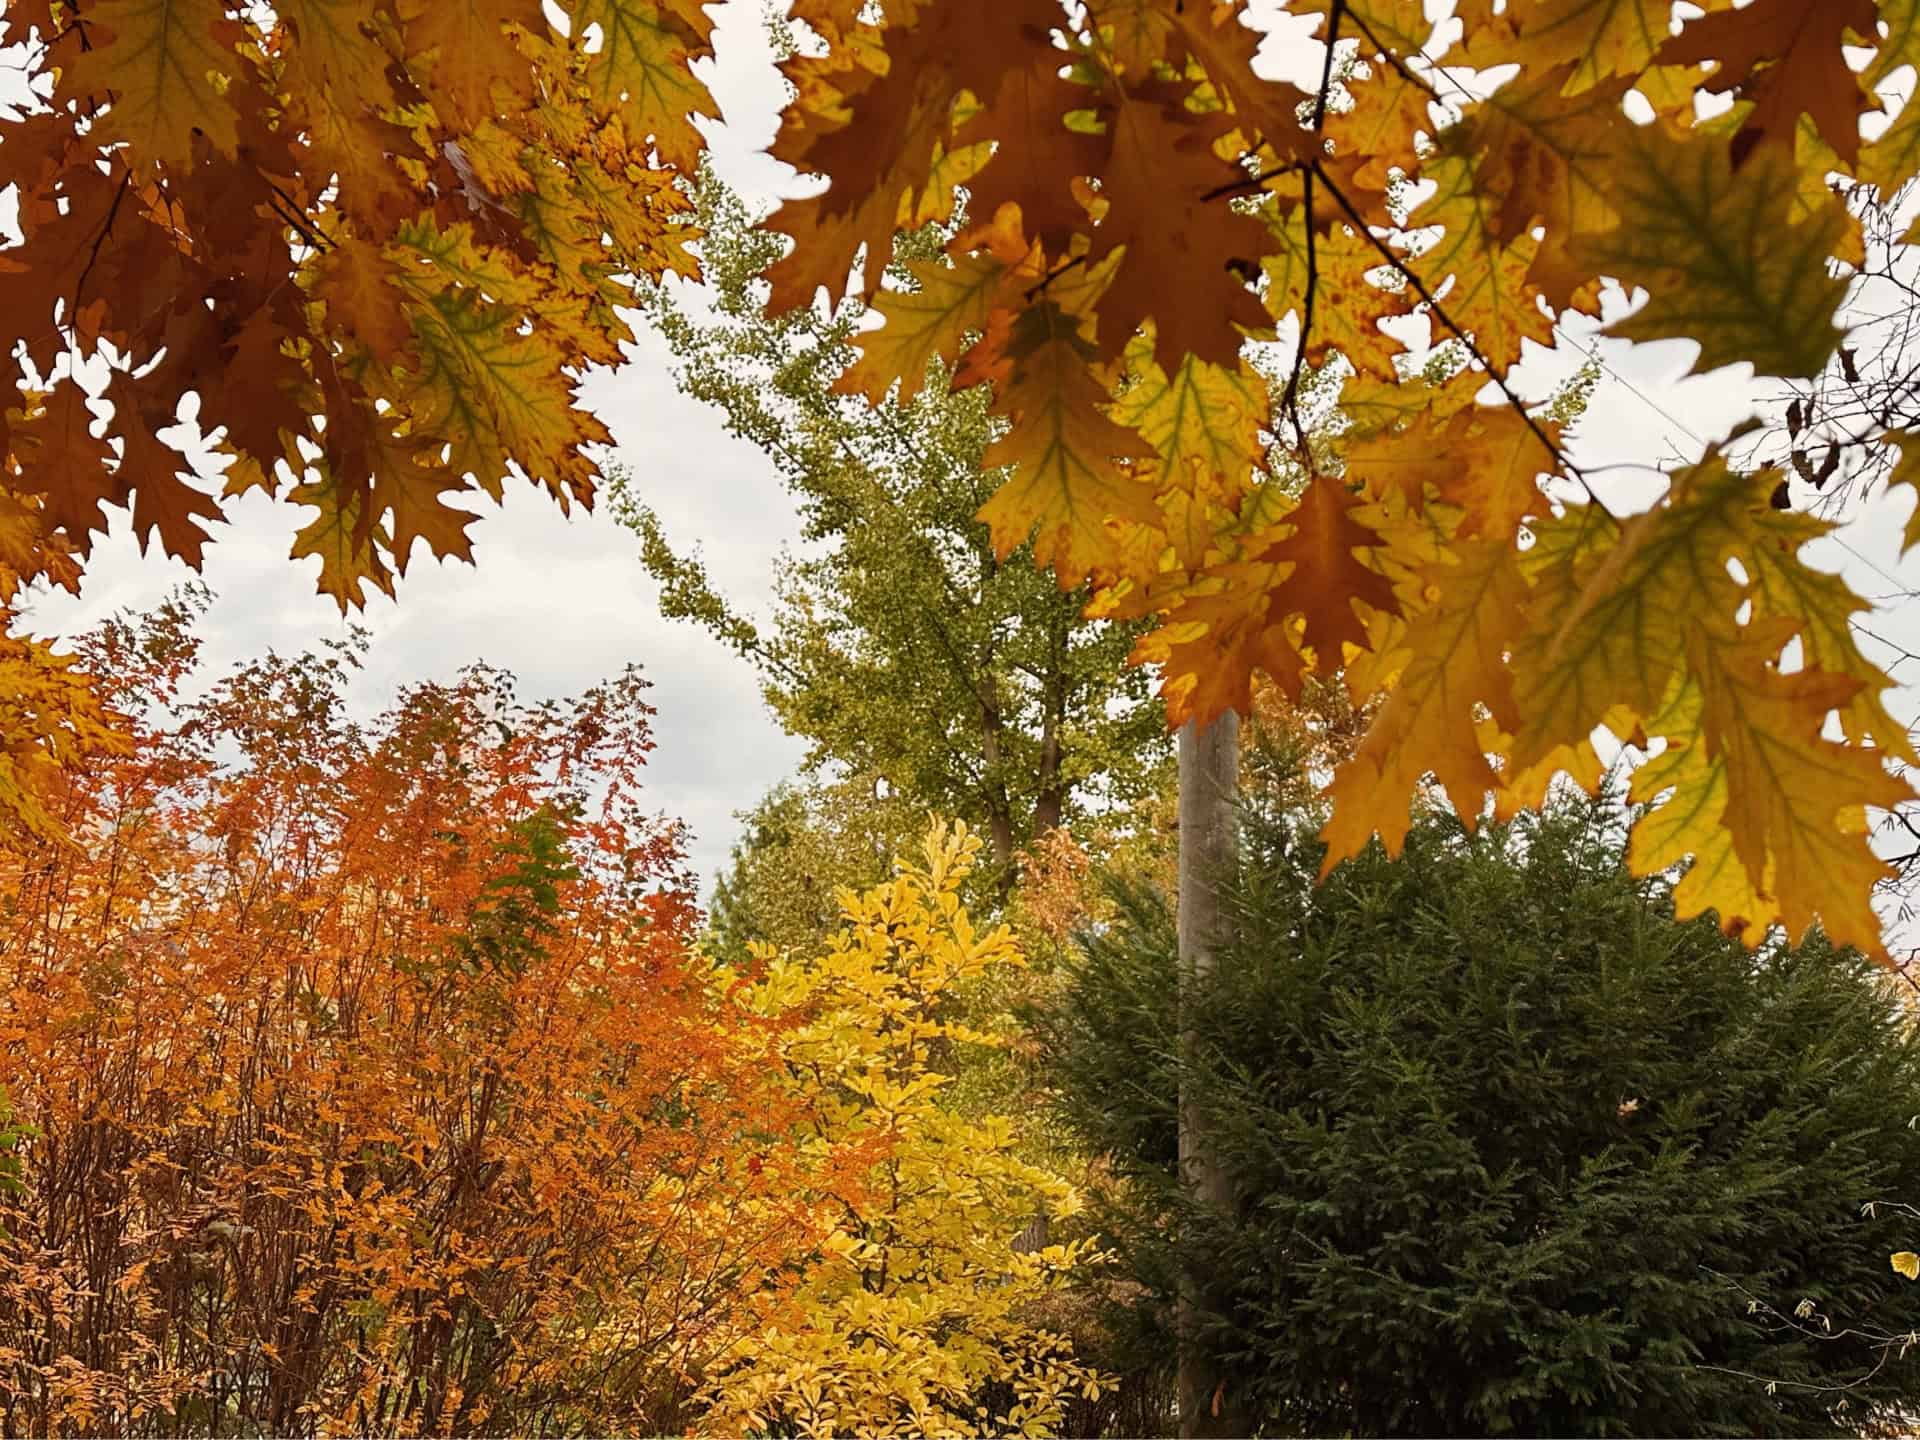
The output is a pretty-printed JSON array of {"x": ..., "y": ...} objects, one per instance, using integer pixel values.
[{"x": 1906, "y": 1263}]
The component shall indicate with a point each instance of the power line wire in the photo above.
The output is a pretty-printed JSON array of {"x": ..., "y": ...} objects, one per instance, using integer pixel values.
[{"x": 1901, "y": 588}]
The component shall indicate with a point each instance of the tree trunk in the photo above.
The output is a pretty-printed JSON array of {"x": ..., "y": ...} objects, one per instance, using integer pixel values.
[
  {"x": 999, "y": 808},
  {"x": 1050, "y": 803},
  {"x": 1209, "y": 777}
]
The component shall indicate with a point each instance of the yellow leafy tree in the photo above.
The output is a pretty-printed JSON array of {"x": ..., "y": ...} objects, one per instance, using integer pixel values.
[{"x": 923, "y": 1314}]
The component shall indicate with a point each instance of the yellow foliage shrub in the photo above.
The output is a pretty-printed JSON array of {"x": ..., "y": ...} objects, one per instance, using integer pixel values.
[{"x": 922, "y": 1314}]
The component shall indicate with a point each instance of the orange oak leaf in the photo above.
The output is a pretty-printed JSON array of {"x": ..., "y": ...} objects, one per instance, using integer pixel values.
[
  {"x": 1787, "y": 57},
  {"x": 1327, "y": 575}
]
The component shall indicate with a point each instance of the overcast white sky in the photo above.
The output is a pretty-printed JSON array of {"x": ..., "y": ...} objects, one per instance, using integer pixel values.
[{"x": 563, "y": 602}]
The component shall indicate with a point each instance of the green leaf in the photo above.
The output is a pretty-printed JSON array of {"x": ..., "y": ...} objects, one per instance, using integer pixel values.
[{"x": 1722, "y": 257}]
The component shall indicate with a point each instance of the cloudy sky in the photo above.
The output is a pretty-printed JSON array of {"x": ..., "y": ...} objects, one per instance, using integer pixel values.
[{"x": 563, "y": 602}]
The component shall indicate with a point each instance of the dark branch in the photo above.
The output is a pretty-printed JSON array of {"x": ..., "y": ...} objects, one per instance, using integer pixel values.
[
  {"x": 1290, "y": 397},
  {"x": 1398, "y": 262}
]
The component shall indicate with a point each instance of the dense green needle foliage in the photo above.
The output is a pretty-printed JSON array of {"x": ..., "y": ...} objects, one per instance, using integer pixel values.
[{"x": 1513, "y": 1150}]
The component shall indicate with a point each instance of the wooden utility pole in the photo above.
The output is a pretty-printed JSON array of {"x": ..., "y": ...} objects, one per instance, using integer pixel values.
[{"x": 1209, "y": 783}]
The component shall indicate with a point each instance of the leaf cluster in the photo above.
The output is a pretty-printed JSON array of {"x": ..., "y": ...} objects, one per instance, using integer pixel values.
[
  {"x": 352, "y": 252},
  {"x": 1149, "y": 220},
  {"x": 364, "y": 1077}
]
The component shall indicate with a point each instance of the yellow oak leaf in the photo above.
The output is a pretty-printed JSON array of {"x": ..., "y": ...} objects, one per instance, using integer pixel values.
[
  {"x": 1689, "y": 827},
  {"x": 1455, "y": 662},
  {"x": 1204, "y": 420},
  {"x": 1221, "y": 632},
  {"x": 1133, "y": 33},
  {"x": 1536, "y": 154},
  {"x": 1485, "y": 461},
  {"x": 1497, "y": 459},
  {"x": 1478, "y": 277},
  {"x": 1795, "y": 800},
  {"x": 1894, "y": 157},
  {"x": 1594, "y": 39},
  {"x": 1528, "y": 789},
  {"x": 1656, "y": 618},
  {"x": 363, "y": 151},
  {"x": 953, "y": 166},
  {"x": 476, "y": 68},
  {"x": 1064, "y": 486},
  {"x": 559, "y": 227},
  {"x": 349, "y": 559},
  {"x": 951, "y": 300},
  {"x": 1407, "y": 454},
  {"x": 1542, "y": 154},
  {"x": 164, "y": 63},
  {"x": 1906, "y": 471},
  {"x": 1900, "y": 45},
  {"x": 1619, "y": 606},
  {"x": 1267, "y": 110},
  {"x": 359, "y": 286},
  {"x": 325, "y": 45},
  {"x": 1350, "y": 299},
  {"x": 486, "y": 384},
  {"x": 1822, "y": 605},
  {"x": 1376, "y": 409},
  {"x": 1379, "y": 133},
  {"x": 642, "y": 67}
]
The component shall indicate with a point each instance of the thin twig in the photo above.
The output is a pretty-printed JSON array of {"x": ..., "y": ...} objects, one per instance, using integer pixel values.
[
  {"x": 1335, "y": 14},
  {"x": 1053, "y": 275},
  {"x": 1399, "y": 64},
  {"x": 1290, "y": 397},
  {"x": 1247, "y": 184},
  {"x": 106, "y": 229},
  {"x": 284, "y": 208},
  {"x": 1400, "y": 265}
]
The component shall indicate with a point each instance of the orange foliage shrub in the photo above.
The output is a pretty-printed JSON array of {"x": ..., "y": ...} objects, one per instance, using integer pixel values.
[{"x": 376, "y": 1088}]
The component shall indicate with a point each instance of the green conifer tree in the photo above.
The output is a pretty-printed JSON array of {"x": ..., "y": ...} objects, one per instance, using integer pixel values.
[{"x": 1507, "y": 1149}]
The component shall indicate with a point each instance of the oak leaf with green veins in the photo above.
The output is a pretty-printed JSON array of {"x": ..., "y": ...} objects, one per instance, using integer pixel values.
[{"x": 1503, "y": 624}]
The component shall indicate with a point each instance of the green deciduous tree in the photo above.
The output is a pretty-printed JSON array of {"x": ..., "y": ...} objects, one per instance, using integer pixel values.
[{"x": 899, "y": 646}]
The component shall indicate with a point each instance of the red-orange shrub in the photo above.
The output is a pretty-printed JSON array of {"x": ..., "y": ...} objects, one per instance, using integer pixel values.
[{"x": 373, "y": 1083}]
